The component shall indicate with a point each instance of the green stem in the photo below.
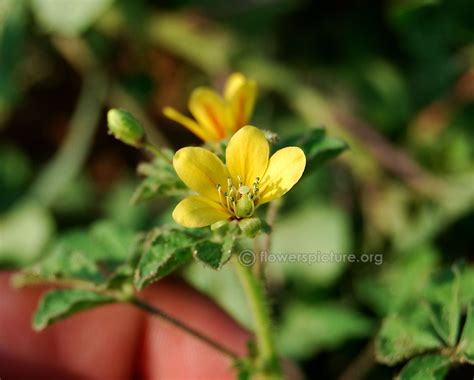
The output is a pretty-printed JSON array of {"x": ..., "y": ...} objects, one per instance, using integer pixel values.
[
  {"x": 267, "y": 358},
  {"x": 158, "y": 153},
  {"x": 137, "y": 302}
]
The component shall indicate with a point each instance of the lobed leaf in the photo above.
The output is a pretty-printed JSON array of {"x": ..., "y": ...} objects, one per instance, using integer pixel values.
[
  {"x": 162, "y": 252},
  {"x": 401, "y": 338}
]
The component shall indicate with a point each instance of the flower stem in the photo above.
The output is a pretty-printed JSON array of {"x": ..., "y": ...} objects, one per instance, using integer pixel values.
[
  {"x": 267, "y": 359},
  {"x": 158, "y": 153},
  {"x": 137, "y": 302}
]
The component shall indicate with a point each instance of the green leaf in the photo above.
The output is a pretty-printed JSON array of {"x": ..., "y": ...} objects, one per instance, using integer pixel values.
[
  {"x": 161, "y": 179},
  {"x": 68, "y": 17},
  {"x": 214, "y": 254},
  {"x": 466, "y": 343},
  {"x": 162, "y": 253},
  {"x": 90, "y": 256},
  {"x": 59, "y": 304},
  {"x": 401, "y": 338},
  {"x": 113, "y": 239},
  {"x": 317, "y": 146},
  {"x": 306, "y": 329},
  {"x": 443, "y": 294},
  {"x": 70, "y": 258},
  {"x": 427, "y": 367},
  {"x": 467, "y": 286}
]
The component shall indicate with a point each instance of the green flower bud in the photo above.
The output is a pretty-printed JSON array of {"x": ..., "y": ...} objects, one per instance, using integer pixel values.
[
  {"x": 250, "y": 226},
  {"x": 125, "y": 127}
]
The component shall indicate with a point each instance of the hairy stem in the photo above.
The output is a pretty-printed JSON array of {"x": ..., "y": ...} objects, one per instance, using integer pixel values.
[
  {"x": 267, "y": 359},
  {"x": 137, "y": 302}
]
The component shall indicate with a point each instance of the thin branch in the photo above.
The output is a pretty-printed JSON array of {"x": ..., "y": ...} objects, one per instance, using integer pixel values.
[{"x": 161, "y": 314}]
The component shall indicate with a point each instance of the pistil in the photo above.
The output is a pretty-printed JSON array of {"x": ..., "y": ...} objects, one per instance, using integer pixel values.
[{"x": 241, "y": 201}]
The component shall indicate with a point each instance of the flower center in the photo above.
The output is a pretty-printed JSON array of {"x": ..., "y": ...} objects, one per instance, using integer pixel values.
[{"x": 240, "y": 200}]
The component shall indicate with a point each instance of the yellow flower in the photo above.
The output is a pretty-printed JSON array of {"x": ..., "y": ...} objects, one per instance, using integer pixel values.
[
  {"x": 218, "y": 118},
  {"x": 233, "y": 190}
]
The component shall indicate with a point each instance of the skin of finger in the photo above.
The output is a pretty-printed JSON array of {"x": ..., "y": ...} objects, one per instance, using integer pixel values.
[
  {"x": 117, "y": 341},
  {"x": 170, "y": 353},
  {"x": 96, "y": 344}
]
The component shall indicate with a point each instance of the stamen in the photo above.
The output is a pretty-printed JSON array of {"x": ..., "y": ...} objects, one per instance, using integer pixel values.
[
  {"x": 221, "y": 198},
  {"x": 252, "y": 203},
  {"x": 232, "y": 204}
]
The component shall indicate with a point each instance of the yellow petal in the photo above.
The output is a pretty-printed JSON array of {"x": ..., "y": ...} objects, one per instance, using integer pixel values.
[
  {"x": 285, "y": 169},
  {"x": 241, "y": 103},
  {"x": 201, "y": 170},
  {"x": 210, "y": 111},
  {"x": 247, "y": 155},
  {"x": 197, "y": 211},
  {"x": 190, "y": 124},
  {"x": 235, "y": 81}
]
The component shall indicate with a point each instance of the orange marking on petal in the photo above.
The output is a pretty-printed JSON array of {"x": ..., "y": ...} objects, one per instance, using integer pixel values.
[
  {"x": 240, "y": 119},
  {"x": 217, "y": 123}
]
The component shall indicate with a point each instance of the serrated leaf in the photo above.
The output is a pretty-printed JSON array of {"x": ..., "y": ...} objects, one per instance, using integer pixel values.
[
  {"x": 213, "y": 254},
  {"x": 427, "y": 367},
  {"x": 67, "y": 260},
  {"x": 317, "y": 146},
  {"x": 466, "y": 343},
  {"x": 401, "y": 338},
  {"x": 162, "y": 252},
  {"x": 308, "y": 328},
  {"x": 59, "y": 304},
  {"x": 443, "y": 294},
  {"x": 90, "y": 256}
]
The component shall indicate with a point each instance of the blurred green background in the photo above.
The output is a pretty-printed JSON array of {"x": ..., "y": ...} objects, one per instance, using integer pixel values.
[{"x": 394, "y": 79}]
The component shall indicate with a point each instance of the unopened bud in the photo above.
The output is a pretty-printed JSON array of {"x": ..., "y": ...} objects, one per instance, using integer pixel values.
[{"x": 125, "y": 127}]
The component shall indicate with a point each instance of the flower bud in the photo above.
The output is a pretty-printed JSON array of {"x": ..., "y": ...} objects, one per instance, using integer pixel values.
[
  {"x": 250, "y": 226},
  {"x": 125, "y": 127}
]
